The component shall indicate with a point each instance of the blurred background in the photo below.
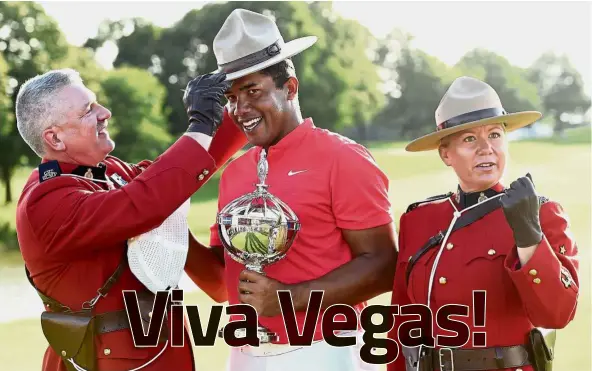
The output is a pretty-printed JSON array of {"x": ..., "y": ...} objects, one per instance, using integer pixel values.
[{"x": 376, "y": 74}]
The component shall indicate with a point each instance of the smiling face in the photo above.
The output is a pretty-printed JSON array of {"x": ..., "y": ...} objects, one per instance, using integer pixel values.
[
  {"x": 477, "y": 155},
  {"x": 81, "y": 136},
  {"x": 261, "y": 109}
]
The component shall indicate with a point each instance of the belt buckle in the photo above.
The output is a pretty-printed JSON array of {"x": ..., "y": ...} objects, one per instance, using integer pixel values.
[{"x": 440, "y": 355}]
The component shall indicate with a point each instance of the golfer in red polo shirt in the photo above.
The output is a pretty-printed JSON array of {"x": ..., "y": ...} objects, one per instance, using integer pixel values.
[{"x": 346, "y": 243}]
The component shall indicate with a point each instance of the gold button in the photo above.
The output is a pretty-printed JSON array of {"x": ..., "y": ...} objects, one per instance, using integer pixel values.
[
  {"x": 63, "y": 353},
  {"x": 107, "y": 351},
  {"x": 449, "y": 246},
  {"x": 491, "y": 252},
  {"x": 537, "y": 280},
  {"x": 150, "y": 314},
  {"x": 409, "y": 258},
  {"x": 205, "y": 172},
  {"x": 532, "y": 272},
  {"x": 442, "y": 280},
  {"x": 200, "y": 177}
]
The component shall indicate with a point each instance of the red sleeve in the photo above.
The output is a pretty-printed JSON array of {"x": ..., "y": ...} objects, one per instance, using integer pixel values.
[
  {"x": 548, "y": 283},
  {"x": 359, "y": 190},
  {"x": 228, "y": 140},
  {"x": 66, "y": 216},
  {"x": 140, "y": 166},
  {"x": 214, "y": 235},
  {"x": 399, "y": 296}
]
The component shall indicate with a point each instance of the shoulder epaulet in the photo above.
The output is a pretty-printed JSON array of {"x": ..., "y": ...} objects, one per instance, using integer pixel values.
[
  {"x": 429, "y": 199},
  {"x": 49, "y": 170}
]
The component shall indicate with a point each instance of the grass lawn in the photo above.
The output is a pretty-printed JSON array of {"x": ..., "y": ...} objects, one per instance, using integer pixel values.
[{"x": 560, "y": 172}]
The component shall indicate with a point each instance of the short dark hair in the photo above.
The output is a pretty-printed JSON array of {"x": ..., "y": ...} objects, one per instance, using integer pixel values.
[{"x": 280, "y": 72}]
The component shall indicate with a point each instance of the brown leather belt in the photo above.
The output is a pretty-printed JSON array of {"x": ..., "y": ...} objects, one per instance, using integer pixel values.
[
  {"x": 111, "y": 321},
  {"x": 481, "y": 359},
  {"x": 495, "y": 358},
  {"x": 117, "y": 320}
]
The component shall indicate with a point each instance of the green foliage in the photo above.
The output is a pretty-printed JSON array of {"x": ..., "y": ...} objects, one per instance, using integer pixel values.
[
  {"x": 417, "y": 81},
  {"x": 83, "y": 61},
  {"x": 516, "y": 92},
  {"x": 29, "y": 41},
  {"x": 6, "y": 116},
  {"x": 30, "y": 44},
  {"x": 138, "y": 124},
  {"x": 562, "y": 89},
  {"x": 338, "y": 83},
  {"x": 414, "y": 83}
]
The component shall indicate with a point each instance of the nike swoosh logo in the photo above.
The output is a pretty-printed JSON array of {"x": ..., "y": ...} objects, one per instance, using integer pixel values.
[{"x": 290, "y": 173}]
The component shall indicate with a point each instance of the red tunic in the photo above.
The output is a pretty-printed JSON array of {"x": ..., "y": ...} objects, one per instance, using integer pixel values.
[
  {"x": 483, "y": 256},
  {"x": 73, "y": 231}
]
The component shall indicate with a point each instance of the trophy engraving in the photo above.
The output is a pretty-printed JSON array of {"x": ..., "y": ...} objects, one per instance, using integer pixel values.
[{"x": 257, "y": 229}]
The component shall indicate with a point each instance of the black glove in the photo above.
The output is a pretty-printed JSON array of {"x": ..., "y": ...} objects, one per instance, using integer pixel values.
[
  {"x": 521, "y": 208},
  {"x": 202, "y": 100}
]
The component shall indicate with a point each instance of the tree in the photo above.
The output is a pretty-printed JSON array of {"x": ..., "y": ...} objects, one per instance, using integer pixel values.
[
  {"x": 337, "y": 80},
  {"x": 561, "y": 88},
  {"x": 83, "y": 61},
  {"x": 516, "y": 92},
  {"x": 138, "y": 125},
  {"x": 414, "y": 83},
  {"x": 6, "y": 119},
  {"x": 29, "y": 41},
  {"x": 137, "y": 50},
  {"x": 346, "y": 67}
]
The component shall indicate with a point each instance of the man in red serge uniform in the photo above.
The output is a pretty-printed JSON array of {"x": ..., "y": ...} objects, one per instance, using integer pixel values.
[
  {"x": 506, "y": 241},
  {"x": 80, "y": 207}
]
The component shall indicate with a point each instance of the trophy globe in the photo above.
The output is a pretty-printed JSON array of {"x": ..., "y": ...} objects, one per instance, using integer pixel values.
[{"x": 257, "y": 229}]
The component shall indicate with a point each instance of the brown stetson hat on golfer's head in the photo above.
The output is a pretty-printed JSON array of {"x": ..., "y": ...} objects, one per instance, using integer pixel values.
[
  {"x": 469, "y": 103},
  {"x": 249, "y": 42}
]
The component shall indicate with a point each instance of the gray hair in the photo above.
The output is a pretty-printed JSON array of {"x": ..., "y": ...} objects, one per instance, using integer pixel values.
[{"x": 36, "y": 107}]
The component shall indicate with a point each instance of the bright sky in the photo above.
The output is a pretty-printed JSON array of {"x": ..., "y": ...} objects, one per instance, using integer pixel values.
[{"x": 520, "y": 31}]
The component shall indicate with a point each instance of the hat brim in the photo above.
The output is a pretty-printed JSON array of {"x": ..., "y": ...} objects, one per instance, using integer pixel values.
[
  {"x": 511, "y": 121},
  {"x": 289, "y": 49}
]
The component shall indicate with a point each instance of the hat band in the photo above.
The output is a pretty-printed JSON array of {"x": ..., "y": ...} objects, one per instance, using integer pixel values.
[
  {"x": 252, "y": 59},
  {"x": 471, "y": 117}
]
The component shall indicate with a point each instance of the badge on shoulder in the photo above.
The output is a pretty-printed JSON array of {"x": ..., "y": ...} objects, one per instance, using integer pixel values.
[{"x": 48, "y": 170}]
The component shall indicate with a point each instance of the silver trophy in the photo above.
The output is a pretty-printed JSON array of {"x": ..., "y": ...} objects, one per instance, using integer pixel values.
[{"x": 257, "y": 229}]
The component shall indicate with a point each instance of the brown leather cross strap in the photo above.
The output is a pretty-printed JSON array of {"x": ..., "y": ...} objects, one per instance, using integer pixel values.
[
  {"x": 494, "y": 358},
  {"x": 56, "y": 306}
]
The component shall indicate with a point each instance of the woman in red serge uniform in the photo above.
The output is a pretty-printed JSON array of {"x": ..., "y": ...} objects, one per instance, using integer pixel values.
[{"x": 506, "y": 241}]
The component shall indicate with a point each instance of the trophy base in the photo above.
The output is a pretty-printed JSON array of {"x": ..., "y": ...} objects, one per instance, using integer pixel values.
[{"x": 263, "y": 334}]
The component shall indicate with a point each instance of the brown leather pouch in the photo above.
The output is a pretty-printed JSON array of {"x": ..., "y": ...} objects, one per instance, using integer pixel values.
[
  {"x": 542, "y": 344},
  {"x": 72, "y": 336}
]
